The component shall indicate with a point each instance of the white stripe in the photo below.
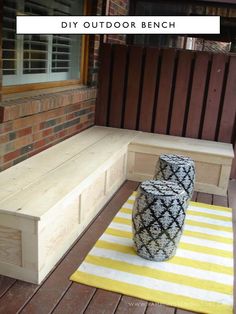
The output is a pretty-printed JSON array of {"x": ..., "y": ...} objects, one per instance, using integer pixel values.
[
  {"x": 124, "y": 215},
  {"x": 121, "y": 227},
  {"x": 155, "y": 284},
  {"x": 115, "y": 239},
  {"x": 167, "y": 267},
  {"x": 219, "y": 233},
  {"x": 132, "y": 198},
  {"x": 195, "y": 209},
  {"x": 210, "y": 211},
  {"x": 206, "y": 243},
  {"x": 184, "y": 239},
  {"x": 203, "y": 257},
  {"x": 127, "y": 205},
  {"x": 209, "y": 220},
  {"x": 226, "y": 234},
  {"x": 196, "y": 256}
]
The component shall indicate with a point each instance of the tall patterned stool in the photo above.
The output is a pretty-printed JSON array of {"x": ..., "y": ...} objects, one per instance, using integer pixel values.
[
  {"x": 177, "y": 168},
  {"x": 158, "y": 219}
]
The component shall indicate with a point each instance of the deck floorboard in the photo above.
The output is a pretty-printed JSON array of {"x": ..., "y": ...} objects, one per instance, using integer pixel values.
[{"x": 57, "y": 294}]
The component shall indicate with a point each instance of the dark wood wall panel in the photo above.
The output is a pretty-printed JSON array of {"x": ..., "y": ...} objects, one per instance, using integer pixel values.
[
  {"x": 104, "y": 86},
  {"x": 197, "y": 95},
  {"x": 148, "y": 90},
  {"x": 214, "y": 96},
  {"x": 133, "y": 87},
  {"x": 181, "y": 92},
  {"x": 228, "y": 114},
  {"x": 166, "y": 91},
  {"x": 117, "y": 86}
]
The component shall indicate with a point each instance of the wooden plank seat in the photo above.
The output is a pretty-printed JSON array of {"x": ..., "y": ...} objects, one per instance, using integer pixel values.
[{"x": 48, "y": 200}]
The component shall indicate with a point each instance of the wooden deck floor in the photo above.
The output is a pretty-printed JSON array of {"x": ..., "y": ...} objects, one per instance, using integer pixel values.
[{"x": 57, "y": 294}]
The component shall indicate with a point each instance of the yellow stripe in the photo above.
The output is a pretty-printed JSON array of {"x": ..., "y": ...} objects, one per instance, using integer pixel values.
[
  {"x": 119, "y": 233},
  {"x": 184, "y": 261},
  {"x": 121, "y": 220},
  {"x": 208, "y": 215},
  {"x": 130, "y": 202},
  {"x": 151, "y": 295},
  {"x": 175, "y": 260},
  {"x": 202, "y": 249},
  {"x": 127, "y": 222},
  {"x": 125, "y": 210},
  {"x": 206, "y": 250},
  {"x": 202, "y": 205},
  {"x": 159, "y": 274},
  {"x": 115, "y": 247},
  {"x": 207, "y": 225},
  {"x": 197, "y": 235},
  {"x": 191, "y": 212},
  {"x": 200, "y": 235}
]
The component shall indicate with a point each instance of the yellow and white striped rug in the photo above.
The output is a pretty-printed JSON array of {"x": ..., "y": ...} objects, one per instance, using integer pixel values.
[{"x": 199, "y": 278}]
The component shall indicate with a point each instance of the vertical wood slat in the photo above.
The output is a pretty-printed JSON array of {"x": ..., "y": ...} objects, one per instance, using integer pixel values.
[
  {"x": 181, "y": 92},
  {"x": 148, "y": 89},
  {"x": 139, "y": 95},
  {"x": 229, "y": 107},
  {"x": 118, "y": 85},
  {"x": 164, "y": 94},
  {"x": 214, "y": 96},
  {"x": 104, "y": 85},
  {"x": 197, "y": 95},
  {"x": 133, "y": 87}
]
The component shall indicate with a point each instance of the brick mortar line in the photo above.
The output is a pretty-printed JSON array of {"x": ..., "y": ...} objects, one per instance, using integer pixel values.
[
  {"x": 41, "y": 130},
  {"x": 54, "y": 142},
  {"x": 17, "y": 129},
  {"x": 42, "y": 111}
]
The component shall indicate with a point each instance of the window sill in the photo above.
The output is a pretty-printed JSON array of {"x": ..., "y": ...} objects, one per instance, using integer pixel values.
[{"x": 23, "y": 104}]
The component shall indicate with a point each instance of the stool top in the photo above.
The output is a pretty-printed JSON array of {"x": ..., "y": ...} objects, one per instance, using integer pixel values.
[
  {"x": 161, "y": 188},
  {"x": 176, "y": 159}
]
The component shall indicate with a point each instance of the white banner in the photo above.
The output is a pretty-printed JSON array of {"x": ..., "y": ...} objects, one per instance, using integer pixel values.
[{"x": 118, "y": 24}]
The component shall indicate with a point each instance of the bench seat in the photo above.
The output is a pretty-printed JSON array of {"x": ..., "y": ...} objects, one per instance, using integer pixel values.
[{"x": 47, "y": 200}]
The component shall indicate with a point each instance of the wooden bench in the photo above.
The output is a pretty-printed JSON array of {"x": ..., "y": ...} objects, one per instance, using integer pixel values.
[
  {"x": 48, "y": 200},
  {"x": 212, "y": 159}
]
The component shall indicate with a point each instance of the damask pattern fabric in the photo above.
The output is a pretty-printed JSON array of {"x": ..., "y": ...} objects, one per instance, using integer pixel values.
[
  {"x": 177, "y": 168},
  {"x": 158, "y": 219}
]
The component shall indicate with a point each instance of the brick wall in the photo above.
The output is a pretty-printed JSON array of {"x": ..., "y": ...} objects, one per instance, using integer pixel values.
[
  {"x": 117, "y": 7},
  {"x": 36, "y": 123}
]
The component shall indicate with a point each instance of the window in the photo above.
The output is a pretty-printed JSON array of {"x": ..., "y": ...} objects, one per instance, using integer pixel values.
[{"x": 39, "y": 58}]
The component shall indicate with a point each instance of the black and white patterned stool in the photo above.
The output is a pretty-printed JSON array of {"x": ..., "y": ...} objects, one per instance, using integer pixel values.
[
  {"x": 177, "y": 168},
  {"x": 158, "y": 219}
]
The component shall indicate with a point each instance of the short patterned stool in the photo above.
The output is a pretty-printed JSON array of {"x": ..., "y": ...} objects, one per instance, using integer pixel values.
[
  {"x": 158, "y": 219},
  {"x": 177, "y": 168}
]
